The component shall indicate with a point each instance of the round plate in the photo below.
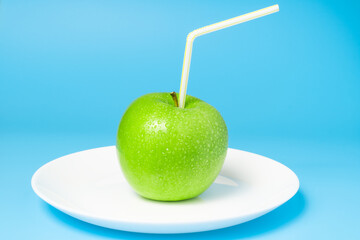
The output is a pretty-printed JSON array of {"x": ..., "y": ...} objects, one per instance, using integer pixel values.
[{"x": 90, "y": 186}]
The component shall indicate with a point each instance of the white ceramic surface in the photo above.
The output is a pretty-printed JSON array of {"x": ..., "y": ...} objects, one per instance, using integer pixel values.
[{"x": 90, "y": 186}]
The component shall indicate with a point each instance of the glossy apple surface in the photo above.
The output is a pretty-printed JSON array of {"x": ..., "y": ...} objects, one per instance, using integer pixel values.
[{"x": 169, "y": 153}]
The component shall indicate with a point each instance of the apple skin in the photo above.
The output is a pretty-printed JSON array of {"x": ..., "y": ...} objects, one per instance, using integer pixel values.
[{"x": 169, "y": 153}]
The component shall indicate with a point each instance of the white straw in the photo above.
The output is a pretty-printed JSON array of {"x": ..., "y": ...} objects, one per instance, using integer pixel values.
[{"x": 211, "y": 28}]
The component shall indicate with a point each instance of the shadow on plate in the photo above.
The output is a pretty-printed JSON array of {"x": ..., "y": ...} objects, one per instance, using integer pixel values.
[{"x": 278, "y": 218}]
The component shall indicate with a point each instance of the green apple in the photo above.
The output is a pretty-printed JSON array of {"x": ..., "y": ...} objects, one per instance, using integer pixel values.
[{"x": 169, "y": 153}]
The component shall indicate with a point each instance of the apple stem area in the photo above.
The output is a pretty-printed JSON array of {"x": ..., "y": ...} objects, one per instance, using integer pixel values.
[{"x": 174, "y": 97}]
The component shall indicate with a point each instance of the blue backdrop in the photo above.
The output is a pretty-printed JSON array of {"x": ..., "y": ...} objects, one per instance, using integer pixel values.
[{"x": 287, "y": 85}]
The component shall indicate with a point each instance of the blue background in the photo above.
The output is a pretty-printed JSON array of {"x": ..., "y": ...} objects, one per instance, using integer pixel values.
[{"x": 287, "y": 86}]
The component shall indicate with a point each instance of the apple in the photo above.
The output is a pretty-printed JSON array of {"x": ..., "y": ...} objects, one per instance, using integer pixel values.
[{"x": 168, "y": 153}]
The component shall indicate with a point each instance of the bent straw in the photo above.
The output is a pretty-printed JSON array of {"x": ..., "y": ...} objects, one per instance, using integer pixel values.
[{"x": 208, "y": 29}]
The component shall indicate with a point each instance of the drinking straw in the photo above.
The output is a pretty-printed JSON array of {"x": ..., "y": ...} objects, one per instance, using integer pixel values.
[{"x": 208, "y": 29}]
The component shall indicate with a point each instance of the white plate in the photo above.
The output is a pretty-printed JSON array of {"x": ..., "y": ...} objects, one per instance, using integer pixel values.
[{"x": 89, "y": 185}]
